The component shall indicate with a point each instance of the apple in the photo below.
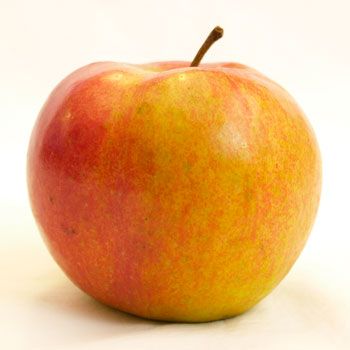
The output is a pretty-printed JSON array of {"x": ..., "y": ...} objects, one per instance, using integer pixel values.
[{"x": 174, "y": 191}]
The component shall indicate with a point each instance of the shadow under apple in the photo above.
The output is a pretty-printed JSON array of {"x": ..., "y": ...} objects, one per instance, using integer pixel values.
[
  {"x": 64, "y": 312},
  {"x": 68, "y": 314}
]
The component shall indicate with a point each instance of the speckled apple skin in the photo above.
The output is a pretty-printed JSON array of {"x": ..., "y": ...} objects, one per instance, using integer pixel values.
[{"x": 170, "y": 192}]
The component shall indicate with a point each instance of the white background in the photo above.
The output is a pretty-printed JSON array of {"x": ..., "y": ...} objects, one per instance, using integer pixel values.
[{"x": 302, "y": 44}]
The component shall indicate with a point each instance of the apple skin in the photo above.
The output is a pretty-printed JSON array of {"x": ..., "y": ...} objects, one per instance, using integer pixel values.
[{"x": 173, "y": 192}]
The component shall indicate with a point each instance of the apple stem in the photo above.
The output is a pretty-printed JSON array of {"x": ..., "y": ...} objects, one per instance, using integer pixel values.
[{"x": 214, "y": 35}]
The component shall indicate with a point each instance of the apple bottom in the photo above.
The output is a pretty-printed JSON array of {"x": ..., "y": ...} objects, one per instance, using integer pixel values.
[{"x": 182, "y": 276}]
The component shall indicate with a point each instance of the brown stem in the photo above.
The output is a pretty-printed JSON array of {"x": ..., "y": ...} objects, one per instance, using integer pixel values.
[{"x": 214, "y": 35}]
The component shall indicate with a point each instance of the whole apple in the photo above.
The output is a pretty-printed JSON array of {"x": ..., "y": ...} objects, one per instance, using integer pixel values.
[{"x": 174, "y": 191}]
